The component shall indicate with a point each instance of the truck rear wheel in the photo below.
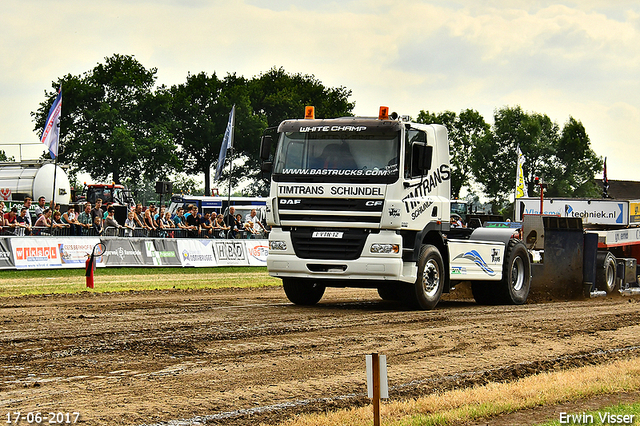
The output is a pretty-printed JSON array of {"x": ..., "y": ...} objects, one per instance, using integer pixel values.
[
  {"x": 516, "y": 274},
  {"x": 302, "y": 292},
  {"x": 426, "y": 291},
  {"x": 606, "y": 272}
]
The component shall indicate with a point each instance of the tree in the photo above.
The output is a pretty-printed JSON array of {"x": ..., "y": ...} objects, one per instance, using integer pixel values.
[
  {"x": 465, "y": 130},
  {"x": 201, "y": 108},
  {"x": 279, "y": 96},
  {"x": 576, "y": 164},
  {"x": 112, "y": 124},
  {"x": 563, "y": 159}
]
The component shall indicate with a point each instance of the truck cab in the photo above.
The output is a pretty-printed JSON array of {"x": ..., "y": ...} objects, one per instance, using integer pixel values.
[{"x": 365, "y": 202}]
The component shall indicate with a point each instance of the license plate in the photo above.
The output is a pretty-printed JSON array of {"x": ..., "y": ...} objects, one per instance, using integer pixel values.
[{"x": 327, "y": 235}]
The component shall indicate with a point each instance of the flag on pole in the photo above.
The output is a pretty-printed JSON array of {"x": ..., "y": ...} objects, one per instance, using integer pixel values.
[
  {"x": 51, "y": 134},
  {"x": 521, "y": 187},
  {"x": 227, "y": 142}
]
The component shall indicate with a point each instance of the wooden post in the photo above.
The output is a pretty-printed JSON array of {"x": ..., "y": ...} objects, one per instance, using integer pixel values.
[{"x": 375, "y": 363}]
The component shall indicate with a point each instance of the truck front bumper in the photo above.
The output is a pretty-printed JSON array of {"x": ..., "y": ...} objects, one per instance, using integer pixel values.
[{"x": 369, "y": 266}]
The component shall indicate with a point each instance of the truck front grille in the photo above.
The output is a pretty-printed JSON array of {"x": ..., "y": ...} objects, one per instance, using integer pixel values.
[
  {"x": 349, "y": 247},
  {"x": 330, "y": 212}
]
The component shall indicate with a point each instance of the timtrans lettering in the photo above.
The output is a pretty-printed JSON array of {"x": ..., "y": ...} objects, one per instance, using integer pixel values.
[
  {"x": 411, "y": 201},
  {"x": 300, "y": 189}
]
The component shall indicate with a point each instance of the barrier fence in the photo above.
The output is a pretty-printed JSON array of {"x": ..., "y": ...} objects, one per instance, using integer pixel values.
[
  {"x": 53, "y": 252},
  {"x": 66, "y": 231}
]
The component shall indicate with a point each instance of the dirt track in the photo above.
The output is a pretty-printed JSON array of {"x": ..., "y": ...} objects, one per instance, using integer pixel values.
[{"x": 152, "y": 357}]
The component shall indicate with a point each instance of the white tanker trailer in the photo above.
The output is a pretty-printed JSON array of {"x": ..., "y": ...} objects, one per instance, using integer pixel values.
[{"x": 33, "y": 178}]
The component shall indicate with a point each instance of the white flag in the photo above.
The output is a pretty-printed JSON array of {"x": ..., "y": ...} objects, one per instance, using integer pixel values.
[
  {"x": 51, "y": 134},
  {"x": 521, "y": 187},
  {"x": 227, "y": 142}
]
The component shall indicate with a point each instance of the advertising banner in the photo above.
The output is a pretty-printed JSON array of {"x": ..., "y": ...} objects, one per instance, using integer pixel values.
[
  {"x": 196, "y": 253},
  {"x": 257, "y": 251},
  {"x": 162, "y": 252},
  {"x": 71, "y": 252},
  {"x": 634, "y": 213},
  {"x": 231, "y": 252},
  {"x": 29, "y": 252},
  {"x": 592, "y": 212},
  {"x": 74, "y": 251},
  {"x": 124, "y": 252},
  {"x": 6, "y": 257}
]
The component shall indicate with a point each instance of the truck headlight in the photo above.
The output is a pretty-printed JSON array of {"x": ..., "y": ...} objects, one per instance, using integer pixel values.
[
  {"x": 385, "y": 248},
  {"x": 277, "y": 245}
]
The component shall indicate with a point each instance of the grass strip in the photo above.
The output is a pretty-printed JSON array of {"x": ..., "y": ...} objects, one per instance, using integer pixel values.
[
  {"x": 600, "y": 417},
  {"x": 56, "y": 281},
  {"x": 480, "y": 402}
]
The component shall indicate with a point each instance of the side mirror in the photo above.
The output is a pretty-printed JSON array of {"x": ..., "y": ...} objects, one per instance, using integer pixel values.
[
  {"x": 265, "y": 147},
  {"x": 422, "y": 155},
  {"x": 265, "y": 170}
]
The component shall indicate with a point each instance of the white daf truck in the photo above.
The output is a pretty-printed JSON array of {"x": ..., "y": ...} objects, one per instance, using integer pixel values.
[{"x": 364, "y": 202}]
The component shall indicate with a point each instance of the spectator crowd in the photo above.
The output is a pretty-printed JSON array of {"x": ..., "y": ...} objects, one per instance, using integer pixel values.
[{"x": 99, "y": 220}]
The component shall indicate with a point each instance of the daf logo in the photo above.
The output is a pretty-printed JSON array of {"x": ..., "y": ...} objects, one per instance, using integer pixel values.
[
  {"x": 288, "y": 201},
  {"x": 373, "y": 203}
]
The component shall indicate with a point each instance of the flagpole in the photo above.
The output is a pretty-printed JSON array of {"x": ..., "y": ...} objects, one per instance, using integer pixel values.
[
  {"x": 230, "y": 170},
  {"x": 53, "y": 196},
  {"x": 233, "y": 123}
]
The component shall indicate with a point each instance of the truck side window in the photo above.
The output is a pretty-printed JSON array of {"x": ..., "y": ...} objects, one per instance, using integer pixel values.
[{"x": 412, "y": 135}]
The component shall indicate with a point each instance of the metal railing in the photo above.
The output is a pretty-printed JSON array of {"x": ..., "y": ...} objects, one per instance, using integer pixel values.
[{"x": 75, "y": 230}]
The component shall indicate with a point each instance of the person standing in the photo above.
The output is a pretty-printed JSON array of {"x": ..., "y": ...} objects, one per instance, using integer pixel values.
[
  {"x": 84, "y": 219},
  {"x": 28, "y": 218},
  {"x": 97, "y": 211},
  {"x": 230, "y": 221},
  {"x": 111, "y": 225},
  {"x": 24, "y": 228},
  {"x": 40, "y": 207},
  {"x": 256, "y": 225}
]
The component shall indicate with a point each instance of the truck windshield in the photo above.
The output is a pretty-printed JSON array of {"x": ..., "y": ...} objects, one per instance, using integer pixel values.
[{"x": 337, "y": 157}]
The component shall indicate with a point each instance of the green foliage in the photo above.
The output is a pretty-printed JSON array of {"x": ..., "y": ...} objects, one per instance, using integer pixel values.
[
  {"x": 563, "y": 159},
  {"x": 279, "y": 96},
  {"x": 113, "y": 126},
  {"x": 465, "y": 132},
  {"x": 187, "y": 185},
  {"x": 3, "y": 156},
  {"x": 116, "y": 125}
]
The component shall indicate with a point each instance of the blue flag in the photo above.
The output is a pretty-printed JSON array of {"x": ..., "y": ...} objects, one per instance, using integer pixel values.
[
  {"x": 227, "y": 142},
  {"x": 51, "y": 134}
]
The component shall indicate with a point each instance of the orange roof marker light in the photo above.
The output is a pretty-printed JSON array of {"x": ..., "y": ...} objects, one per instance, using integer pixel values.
[
  {"x": 384, "y": 113},
  {"x": 309, "y": 113}
]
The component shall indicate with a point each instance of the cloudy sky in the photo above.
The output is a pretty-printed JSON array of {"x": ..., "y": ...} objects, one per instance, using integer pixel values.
[{"x": 565, "y": 58}]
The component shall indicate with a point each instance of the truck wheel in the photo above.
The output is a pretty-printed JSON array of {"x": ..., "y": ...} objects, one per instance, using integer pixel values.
[
  {"x": 516, "y": 274},
  {"x": 426, "y": 291},
  {"x": 606, "y": 271},
  {"x": 302, "y": 292}
]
